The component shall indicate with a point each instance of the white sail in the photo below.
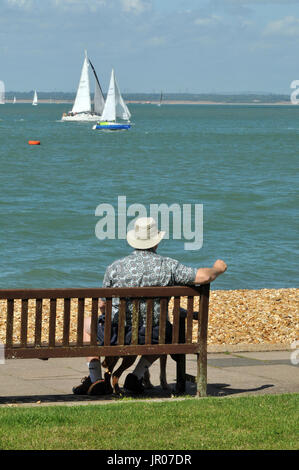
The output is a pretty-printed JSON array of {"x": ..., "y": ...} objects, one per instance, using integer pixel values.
[
  {"x": 121, "y": 107},
  {"x": 109, "y": 113},
  {"x": 14, "y": 100},
  {"x": 34, "y": 102},
  {"x": 2, "y": 92},
  {"x": 82, "y": 102},
  {"x": 115, "y": 106},
  {"x": 99, "y": 100}
]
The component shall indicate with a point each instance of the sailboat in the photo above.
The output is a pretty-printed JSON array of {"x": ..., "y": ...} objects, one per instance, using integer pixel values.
[
  {"x": 160, "y": 102},
  {"x": 34, "y": 102},
  {"x": 14, "y": 100},
  {"x": 114, "y": 108},
  {"x": 82, "y": 110}
]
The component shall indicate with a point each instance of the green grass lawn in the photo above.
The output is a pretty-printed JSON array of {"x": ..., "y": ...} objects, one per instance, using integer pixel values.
[{"x": 256, "y": 422}]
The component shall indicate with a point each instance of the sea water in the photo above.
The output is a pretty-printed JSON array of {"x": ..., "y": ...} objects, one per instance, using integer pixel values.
[{"x": 239, "y": 162}]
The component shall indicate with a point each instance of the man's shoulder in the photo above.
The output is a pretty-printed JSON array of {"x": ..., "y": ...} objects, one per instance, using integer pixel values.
[
  {"x": 119, "y": 262},
  {"x": 168, "y": 260},
  {"x": 163, "y": 260}
]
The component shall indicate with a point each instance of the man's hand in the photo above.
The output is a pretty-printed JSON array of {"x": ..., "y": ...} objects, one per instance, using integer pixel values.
[{"x": 207, "y": 275}]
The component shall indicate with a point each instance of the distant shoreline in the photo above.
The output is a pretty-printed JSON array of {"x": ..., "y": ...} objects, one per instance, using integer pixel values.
[{"x": 169, "y": 102}]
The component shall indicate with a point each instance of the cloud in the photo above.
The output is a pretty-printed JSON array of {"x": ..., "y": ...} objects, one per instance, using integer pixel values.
[
  {"x": 288, "y": 27},
  {"x": 19, "y": 3},
  {"x": 91, "y": 5},
  {"x": 135, "y": 6},
  {"x": 208, "y": 21},
  {"x": 126, "y": 6}
]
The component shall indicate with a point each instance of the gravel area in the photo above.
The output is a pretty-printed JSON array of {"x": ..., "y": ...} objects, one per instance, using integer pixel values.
[
  {"x": 253, "y": 316},
  {"x": 266, "y": 316}
]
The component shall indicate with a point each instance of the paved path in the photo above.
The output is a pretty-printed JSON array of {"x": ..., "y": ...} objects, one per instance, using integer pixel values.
[{"x": 32, "y": 381}]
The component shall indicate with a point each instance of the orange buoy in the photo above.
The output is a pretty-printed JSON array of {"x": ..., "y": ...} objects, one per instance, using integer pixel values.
[{"x": 34, "y": 142}]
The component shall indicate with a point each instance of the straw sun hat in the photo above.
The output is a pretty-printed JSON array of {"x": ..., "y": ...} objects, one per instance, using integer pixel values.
[{"x": 145, "y": 234}]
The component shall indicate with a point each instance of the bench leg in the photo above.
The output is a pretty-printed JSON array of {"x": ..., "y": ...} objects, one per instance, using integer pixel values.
[
  {"x": 181, "y": 373},
  {"x": 201, "y": 375}
]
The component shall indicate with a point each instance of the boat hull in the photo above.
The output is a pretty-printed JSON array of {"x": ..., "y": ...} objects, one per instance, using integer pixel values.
[
  {"x": 81, "y": 117},
  {"x": 113, "y": 126}
]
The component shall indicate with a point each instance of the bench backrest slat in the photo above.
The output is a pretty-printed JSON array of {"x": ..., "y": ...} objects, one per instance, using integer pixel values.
[
  {"x": 9, "y": 322},
  {"x": 149, "y": 321},
  {"x": 66, "y": 322},
  {"x": 121, "y": 321},
  {"x": 135, "y": 321},
  {"x": 80, "y": 321},
  {"x": 176, "y": 322},
  {"x": 52, "y": 322},
  {"x": 189, "y": 328},
  {"x": 162, "y": 320},
  {"x": 94, "y": 321},
  {"x": 38, "y": 322},
  {"x": 108, "y": 313},
  {"x": 24, "y": 322}
]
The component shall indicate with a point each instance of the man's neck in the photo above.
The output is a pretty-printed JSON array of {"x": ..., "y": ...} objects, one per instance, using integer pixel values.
[{"x": 151, "y": 250}]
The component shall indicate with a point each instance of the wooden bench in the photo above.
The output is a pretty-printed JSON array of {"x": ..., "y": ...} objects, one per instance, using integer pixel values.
[{"x": 51, "y": 325}]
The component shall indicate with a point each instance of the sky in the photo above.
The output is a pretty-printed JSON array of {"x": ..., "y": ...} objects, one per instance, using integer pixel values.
[{"x": 193, "y": 46}]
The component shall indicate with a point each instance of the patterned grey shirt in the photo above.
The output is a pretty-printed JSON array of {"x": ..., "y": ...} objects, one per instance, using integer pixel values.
[{"x": 144, "y": 268}]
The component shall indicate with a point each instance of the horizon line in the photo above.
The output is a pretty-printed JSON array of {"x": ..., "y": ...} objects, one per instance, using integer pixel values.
[{"x": 167, "y": 92}]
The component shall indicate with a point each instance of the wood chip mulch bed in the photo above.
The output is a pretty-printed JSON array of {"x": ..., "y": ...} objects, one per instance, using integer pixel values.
[{"x": 266, "y": 316}]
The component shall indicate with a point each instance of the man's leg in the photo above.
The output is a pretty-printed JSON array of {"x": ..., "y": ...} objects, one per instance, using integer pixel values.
[
  {"x": 93, "y": 363},
  {"x": 143, "y": 364},
  {"x": 93, "y": 384},
  {"x": 133, "y": 382}
]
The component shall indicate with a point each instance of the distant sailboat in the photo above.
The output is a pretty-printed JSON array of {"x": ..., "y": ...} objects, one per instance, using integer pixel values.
[
  {"x": 160, "y": 102},
  {"x": 114, "y": 108},
  {"x": 14, "y": 100},
  {"x": 2, "y": 92},
  {"x": 82, "y": 110},
  {"x": 34, "y": 102}
]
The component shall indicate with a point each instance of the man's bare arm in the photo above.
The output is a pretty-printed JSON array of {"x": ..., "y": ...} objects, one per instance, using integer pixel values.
[{"x": 207, "y": 275}]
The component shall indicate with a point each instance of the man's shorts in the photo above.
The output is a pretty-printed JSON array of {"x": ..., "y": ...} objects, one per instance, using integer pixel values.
[{"x": 128, "y": 333}]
